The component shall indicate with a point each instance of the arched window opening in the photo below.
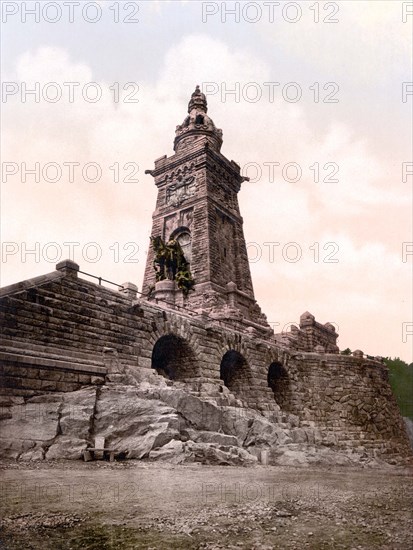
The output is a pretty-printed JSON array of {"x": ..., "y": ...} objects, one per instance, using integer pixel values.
[
  {"x": 234, "y": 371},
  {"x": 183, "y": 236},
  {"x": 279, "y": 382},
  {"x": 173, "y": 358}
]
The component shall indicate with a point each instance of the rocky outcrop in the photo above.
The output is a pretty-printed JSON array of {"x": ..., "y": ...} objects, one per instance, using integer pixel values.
[
  {"x": 157, "y": 419},
  {"x": 47, "y": 426}
]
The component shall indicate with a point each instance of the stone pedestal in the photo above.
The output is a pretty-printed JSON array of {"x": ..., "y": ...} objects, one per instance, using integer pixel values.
[
  {"x": 129, "y": 289},
  {"x": 68, "y": 267},
  {"x": 165, "y": 291}
]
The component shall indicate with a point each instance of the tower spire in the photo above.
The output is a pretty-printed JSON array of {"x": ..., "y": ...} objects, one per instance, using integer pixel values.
[
  {"x": 198, "y": 101},
  {"x": 197, "y": 126}
]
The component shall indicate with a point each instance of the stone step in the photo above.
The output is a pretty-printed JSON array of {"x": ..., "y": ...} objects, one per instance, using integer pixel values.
[
  {"x": 24, "y": 347},
  {"x": 59, "y": 362}
]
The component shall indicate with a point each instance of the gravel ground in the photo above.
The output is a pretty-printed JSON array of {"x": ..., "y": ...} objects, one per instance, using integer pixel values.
[{"x": 136, "y": 504}]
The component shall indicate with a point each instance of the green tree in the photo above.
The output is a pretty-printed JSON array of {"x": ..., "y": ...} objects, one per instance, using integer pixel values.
[{"x": 401, "y": 381}]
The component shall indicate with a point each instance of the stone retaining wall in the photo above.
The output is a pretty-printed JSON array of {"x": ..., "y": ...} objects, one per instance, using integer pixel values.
[{"x": 61, "y": 332}]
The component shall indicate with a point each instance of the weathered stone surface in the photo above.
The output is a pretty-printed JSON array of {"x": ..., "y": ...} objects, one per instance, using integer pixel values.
[
  {"x": 164, "y": 422},
  {"x": 409, "y": 428},
  {"x": 172, "y": 452},
  {"x": 203, "y": 415},
  {"x": 236, "y": 421},
  {"x": 67, "y": 447},
  {"x": 33, "y": 421},
  {"x": 215, "y": 438},
  {"x": 14, "y": 448},
  {"x": 177, "y": 452},
  {"x": 132, "y": 425},
  {"x": 76, "y": 413},
  {"x": 207, "y": 453},
  {"x": 263, "y": 433}
]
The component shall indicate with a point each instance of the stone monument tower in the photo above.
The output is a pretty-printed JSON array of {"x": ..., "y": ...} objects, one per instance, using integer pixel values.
[
  {"x": 198, "y": 326},
  {"x": 197, "y": 206}
]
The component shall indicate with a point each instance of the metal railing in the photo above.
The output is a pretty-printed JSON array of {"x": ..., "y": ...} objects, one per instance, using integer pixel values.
[{"x": 156, "y": 301}]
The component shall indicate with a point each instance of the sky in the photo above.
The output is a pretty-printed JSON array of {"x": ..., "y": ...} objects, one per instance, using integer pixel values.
[{"x": 315, "y": 103}]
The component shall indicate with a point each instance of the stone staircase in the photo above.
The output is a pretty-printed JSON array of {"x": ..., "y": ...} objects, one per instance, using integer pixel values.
[{"x": 28, "y": 369}]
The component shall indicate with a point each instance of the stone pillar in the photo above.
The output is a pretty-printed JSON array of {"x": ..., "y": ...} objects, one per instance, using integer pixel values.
[
  {"x": 129, "y": 290},
  {"x": 69, "y": 268},
  {"x": 231, "y": 294}
]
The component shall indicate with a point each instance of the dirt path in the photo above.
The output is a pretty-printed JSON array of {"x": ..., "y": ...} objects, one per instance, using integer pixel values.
[{"x": 73, "y": 505}]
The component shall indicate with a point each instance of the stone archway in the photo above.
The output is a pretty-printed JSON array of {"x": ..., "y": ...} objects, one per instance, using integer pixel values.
[
  {"x": 279, "y": 381},
  {"x": 174, "y": 358},
  {"x": 235, "y": 372}
]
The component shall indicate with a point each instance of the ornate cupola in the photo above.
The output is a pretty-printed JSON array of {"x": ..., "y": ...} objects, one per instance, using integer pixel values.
[
  {"x": 197, "y": 216},
  {"x": 197, "y": 124}
]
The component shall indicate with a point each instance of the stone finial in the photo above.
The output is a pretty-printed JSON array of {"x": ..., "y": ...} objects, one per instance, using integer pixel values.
[
  {"x": 198, "y": 101},
  {"x": 330, "y": 326},
  {"x": 68, "y": 267},
  {"x": 358, "y": 353},
  {"x": 129, "y": 290},
  {"x": 307, "y": 315},
  {"x": 306, "y": 319}
]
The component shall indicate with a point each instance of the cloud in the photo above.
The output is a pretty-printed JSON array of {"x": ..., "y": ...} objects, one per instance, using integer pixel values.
[{"x": 369, "y": 40}]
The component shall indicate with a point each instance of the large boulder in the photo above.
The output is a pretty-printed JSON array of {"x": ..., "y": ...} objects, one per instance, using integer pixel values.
[
  {"x": 172, "y": 452},
  {"x": 28, "y": 427},
  {"x": 133, "y": 425},
  {"x": 199, "y": 413},
  {"x": 77, "y": 412},
  {"x": 75, "y": 420}
]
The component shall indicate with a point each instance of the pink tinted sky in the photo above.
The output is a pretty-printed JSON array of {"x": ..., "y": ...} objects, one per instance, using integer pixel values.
[{"x": 334, "y": 248}]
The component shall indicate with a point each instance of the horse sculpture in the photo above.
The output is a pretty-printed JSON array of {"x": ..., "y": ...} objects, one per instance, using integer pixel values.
[{"x": 170, "y": 263}]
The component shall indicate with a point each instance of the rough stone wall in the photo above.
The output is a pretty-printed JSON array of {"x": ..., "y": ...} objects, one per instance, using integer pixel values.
[
  {"x": 350, "y": 397},
  {"x": 311, "y": 336},
  {"x": 61, "y": 332}
]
